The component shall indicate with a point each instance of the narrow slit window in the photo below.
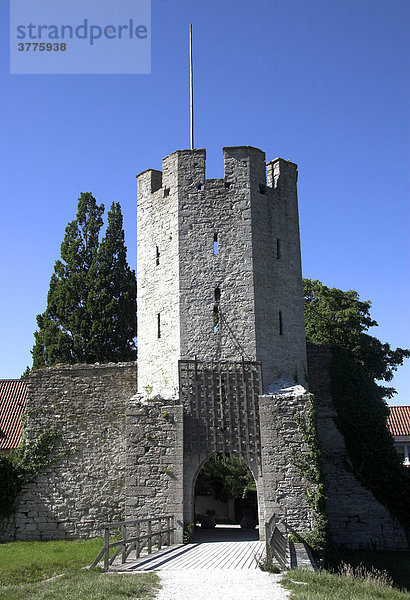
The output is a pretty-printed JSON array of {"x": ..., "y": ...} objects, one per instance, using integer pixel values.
[
  {"x": 157, "y": 256},
  {"x": 158, "y": 325},
  {"x": 216, "y": 244},
  {"x": 280, "y": 323},
  {"x": 217, "y": 319},
  {"x": 200, "y": 186},
  {"x": 277, "y": 248},
  {"x": 166, "y": 192},
  {"x": 217, "y": 295}
]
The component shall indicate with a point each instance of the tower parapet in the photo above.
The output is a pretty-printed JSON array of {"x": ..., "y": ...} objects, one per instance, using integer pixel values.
[{"x": 219, "y": 272}]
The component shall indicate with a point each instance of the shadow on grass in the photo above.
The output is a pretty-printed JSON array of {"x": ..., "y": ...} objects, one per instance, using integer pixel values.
[
  {"x": 91, "y": 584},
  {"x": 397, "y": 564}
]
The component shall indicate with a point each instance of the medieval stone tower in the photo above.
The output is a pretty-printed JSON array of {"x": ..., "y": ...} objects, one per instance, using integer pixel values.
[
  {"x": 219, "y": 273},
  {"x": 220, "y": 324}
]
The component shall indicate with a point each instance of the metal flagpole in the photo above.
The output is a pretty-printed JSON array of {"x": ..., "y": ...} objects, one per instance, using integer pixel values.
[{"x": 191, "y": 88}]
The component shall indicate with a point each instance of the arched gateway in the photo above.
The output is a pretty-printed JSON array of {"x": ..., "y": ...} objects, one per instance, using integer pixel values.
[{"x": 221, "y": 345}]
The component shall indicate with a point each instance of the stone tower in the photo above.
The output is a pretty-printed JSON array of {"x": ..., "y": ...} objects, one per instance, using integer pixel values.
[
  {"x": 221, "y": 340},
  {"x": 218, "y": 268}
]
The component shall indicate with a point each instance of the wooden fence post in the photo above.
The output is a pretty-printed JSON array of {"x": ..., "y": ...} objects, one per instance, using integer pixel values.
[
  {"x": 149, "y": 544},
  {"x": 124, "y": 548},
  {"x": 169, "y": 531},
  {"x": 160, "y": 534},
  {"x": 137, "y": 535},
  {"x": 106, "y": 548}
]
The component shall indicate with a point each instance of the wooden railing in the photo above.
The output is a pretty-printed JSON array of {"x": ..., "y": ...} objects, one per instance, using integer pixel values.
[
  {"x": 277, "y": 543},
  {"x": 158, "y": 531}
]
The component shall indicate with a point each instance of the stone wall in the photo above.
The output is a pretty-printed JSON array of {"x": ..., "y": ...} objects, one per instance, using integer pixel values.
[
  {"x": 284, "y": 489},
  {"x": 155, "y": 460},
  {"x": 158, "y": 280},
  {"x": 356, "y": 519},
  {"x": 86, "y": 405}
]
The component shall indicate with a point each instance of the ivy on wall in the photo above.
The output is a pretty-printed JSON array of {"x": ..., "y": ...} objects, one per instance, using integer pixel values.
[
  {"x": 309, "y": 464},
  {"x": 361, "y": 419},
  {"x": 22, "y": 466}
]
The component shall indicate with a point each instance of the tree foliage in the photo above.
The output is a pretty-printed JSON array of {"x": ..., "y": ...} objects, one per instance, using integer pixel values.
[
  {"x": 23, "y": 464},
  {"x": 333, "y": 316},
  {"x": 226, "y": 478},
  {"x": 341, "y": 319},
  {"x": 91, "y": 303},
  {"x": 361, "y": 418}
]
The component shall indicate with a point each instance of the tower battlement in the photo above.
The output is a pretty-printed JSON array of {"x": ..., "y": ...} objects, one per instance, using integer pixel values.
[
  {"x": 244, "y": 166},
  {"x": 218, "y": 271}
]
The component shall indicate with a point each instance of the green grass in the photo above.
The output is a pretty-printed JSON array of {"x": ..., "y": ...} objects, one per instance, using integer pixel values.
[
  {"x": 24, "y": 567},
  {"x": 86, "y": 584},
  {"x": 397, "y": 564},
  {"x": 306, "y": 585},
  {"x": 24, "y": 562}
]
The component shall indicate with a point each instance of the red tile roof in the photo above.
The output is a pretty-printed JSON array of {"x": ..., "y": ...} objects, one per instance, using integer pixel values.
[
  {"x": 398, "y": 420},
  {"x": 13, "y": 393}
]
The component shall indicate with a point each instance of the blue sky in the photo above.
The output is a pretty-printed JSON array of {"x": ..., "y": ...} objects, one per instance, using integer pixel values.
[{"x": 324, "y": 84}]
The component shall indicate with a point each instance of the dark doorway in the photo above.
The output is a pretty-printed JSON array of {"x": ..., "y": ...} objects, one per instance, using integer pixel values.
[{"x": 226, "y": 496}]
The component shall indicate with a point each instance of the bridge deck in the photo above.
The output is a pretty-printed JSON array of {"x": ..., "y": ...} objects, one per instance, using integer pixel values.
[{"x": 221, "y": 548}]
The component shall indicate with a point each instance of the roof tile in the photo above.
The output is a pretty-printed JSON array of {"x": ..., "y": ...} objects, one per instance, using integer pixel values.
[
  {"x": 398, "y": 420},
  {"x": 13, "y": 394}
]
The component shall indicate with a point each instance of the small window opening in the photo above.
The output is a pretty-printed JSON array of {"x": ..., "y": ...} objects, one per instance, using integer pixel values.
[
  {"x": 159, "y": 325},
  {"x": 216, "y": 244},
  {"x": 262, "y": 188},
  {"x": 157, "y": 256},
  {"x": 200, "y": 186},
  {"x": 166, "y": 192},
  {"x": 217, "y": 295},
  {"x": 280, "y": 323},
  {"x": 217, "y": 320},
  {"x": 227, "y": 185},
  {"x": 277, "y": 248}
]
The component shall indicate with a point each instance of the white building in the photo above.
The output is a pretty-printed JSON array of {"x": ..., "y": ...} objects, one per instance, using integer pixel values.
[{"x": 399, "y": 426}]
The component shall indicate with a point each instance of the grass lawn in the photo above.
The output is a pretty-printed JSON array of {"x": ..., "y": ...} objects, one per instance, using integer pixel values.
[
  {"x": 23, "y": 562},
  {"x": 24, "y": 567},
  {"x": 306, "y": 585},
  {"x": 397, "y": 564}
]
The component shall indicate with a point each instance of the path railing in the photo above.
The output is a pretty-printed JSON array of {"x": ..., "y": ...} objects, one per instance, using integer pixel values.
[
  {"x": 277, "y": 543},
  {"x": 158, "y": 531}
]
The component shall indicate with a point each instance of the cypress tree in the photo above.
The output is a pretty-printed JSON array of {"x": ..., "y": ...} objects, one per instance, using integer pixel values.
[
  {"x": 112, "y": 298},
  {"x": 85, "y": 290}
]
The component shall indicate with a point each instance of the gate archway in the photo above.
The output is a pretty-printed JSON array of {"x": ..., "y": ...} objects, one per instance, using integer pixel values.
[
  {"x": 225, "y": 493},
  {"x": 221, "y": 418}
]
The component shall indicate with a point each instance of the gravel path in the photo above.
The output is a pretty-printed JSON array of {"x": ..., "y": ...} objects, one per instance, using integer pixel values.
[{"x": 220, "y": 585}]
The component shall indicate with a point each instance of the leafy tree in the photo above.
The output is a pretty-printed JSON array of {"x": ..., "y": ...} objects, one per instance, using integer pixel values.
[
  {"x": 333, "y": 316},
  {"x": 341, "y": 319},
  {"x": 23, "y": 464},
  {"x": 89, "y": 283},
  {"x": 361, "y": 418},
  {"x": 225, "y": 477}
]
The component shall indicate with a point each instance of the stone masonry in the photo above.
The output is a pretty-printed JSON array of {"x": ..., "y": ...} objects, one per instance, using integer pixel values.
[
  {"x": 222, "y": 369},
  {"x": 252, "y": 280},
  {"x": 219, "y": 279},
  {"x": 86, "y": 405}
]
